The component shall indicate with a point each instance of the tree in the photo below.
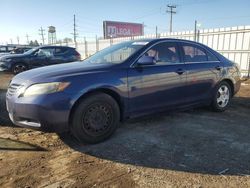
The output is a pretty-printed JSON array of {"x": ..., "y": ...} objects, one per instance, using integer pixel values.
[
  {"x": 31, "y": 43},
  {"x": 67, "y": 40},
  {"x": 36, "y": 43}
]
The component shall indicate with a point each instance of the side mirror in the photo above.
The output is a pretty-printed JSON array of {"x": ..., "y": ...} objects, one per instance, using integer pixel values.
[{"x": 146, "y": 60}]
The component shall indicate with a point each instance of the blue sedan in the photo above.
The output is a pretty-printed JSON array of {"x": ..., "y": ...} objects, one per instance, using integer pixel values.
[{"x": 123, "y": 81}]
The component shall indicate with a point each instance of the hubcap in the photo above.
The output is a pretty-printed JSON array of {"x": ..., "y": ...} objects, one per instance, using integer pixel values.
[
  {"x": 223, "y": 96},
  {"x": 97, "y": 119},
  {"x": 19, "y": 68}
]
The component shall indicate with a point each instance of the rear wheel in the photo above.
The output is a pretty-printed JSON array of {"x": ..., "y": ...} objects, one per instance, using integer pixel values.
[
  {"x": 95, "y": 118},
  {"x": 18, "y": 68},
  {"x": 222, "y": 97}
]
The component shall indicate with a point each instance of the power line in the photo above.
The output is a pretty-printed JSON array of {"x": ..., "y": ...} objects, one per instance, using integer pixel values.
[
  {"x": 171, "y": 11},
  {"x": 41, "y": 32}
]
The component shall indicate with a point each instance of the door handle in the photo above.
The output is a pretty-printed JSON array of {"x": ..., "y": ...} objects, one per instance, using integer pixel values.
[
  {"x": 218, "y": 68},
  {"x": 180, "y": 71}
]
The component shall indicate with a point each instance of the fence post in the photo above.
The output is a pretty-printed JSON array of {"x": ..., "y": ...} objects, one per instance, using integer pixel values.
[
  {"x": 86, "y": 47},
  {"x": 198, "y": 36},
  {"x": 96, "y": 43},
  {"x": 248, "y": 74},
  {"x": 111, "y": 41}
]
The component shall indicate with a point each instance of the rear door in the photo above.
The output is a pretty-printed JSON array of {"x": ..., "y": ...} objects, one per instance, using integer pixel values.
[
  {"x": 203, "y": 71},
  {"x": 152, "y": 87},
  {"x": 60, "y": 55}
]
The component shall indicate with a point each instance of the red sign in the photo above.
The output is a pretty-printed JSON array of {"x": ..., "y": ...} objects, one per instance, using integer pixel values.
[{"x": 121, "y": 29}]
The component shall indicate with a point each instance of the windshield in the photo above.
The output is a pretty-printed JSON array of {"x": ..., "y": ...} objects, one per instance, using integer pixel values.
[{"x": 117, "y": 53}]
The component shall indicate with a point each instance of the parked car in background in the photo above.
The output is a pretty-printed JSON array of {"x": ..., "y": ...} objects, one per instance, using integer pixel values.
[
  {"x": 123, "y": 81},
  {"x": 20, "y": 50},
  {"x": 38, "y": 57},
  {"x": 5, "y": 50}
]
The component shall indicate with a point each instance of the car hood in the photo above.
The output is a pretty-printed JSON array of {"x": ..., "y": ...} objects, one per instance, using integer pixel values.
[
  {"x": 12, "y": 56},
  {"x": 59, "y": 72},
  {"x": 4, "y": 54}
]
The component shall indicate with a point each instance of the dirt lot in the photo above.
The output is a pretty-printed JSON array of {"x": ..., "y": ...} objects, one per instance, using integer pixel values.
[{"x": 198, "y": 148}]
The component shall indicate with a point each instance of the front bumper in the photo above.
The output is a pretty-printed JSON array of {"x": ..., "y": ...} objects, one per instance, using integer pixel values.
[
  {"x": 4, "y": 67},
  {"x": 46, "y": 112}
]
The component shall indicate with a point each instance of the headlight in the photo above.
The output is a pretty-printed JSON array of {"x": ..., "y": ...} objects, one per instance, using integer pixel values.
[{"x": 45, "y": 88}]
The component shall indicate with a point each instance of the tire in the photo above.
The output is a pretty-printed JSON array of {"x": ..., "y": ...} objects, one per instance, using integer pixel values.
[
  {"x": 95, "y": 118},
  {"x": 222, "y": 97},
  {"x": 18, "y": 68}
]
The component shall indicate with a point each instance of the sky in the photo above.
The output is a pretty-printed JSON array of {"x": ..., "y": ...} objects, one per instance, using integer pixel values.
[{"x": 25, "y": 17}]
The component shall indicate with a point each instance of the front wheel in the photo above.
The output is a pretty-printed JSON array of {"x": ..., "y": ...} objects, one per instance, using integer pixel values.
[
  {"x": 95, "y": 118},
  {"x": 18, "y": 68},
  {"x": 222, "y": 97}
]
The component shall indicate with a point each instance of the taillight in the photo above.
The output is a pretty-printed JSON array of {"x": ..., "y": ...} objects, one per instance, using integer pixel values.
[{"x": 78, "y": 55}]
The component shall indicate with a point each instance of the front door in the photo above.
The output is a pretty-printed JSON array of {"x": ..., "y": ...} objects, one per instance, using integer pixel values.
[
  {"x": 42, "y": 57},
  {"x": 159, "y": 85}
]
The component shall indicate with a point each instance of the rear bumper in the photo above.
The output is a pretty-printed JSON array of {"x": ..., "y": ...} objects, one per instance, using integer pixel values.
[
  {"x": 237, "y": 86},
  {"x": 47, "y": 112}
]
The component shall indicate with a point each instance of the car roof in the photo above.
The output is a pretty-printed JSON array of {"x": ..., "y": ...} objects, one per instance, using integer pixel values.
[
  {"x": 53, "y": 46},
  {"x": 155, "y": 40},
  {"x": 164, "y": 39}
]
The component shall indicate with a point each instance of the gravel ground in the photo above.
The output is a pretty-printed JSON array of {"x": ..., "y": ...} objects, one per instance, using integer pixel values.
[{"x": 197, "y": 148}]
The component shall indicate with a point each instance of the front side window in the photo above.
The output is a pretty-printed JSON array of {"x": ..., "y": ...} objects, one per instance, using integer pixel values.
[
  {"x": 165, "y": 52},
  {"x": 47, "y": 52}
]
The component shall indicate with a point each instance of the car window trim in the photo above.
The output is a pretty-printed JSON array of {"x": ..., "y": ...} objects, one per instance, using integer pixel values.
[
  {"x": 201, "y": 62},
  {"x": 132, "y": 65},
  {"x": 159, "y": 65}
]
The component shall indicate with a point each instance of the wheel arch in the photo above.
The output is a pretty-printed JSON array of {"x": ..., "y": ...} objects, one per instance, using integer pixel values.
[
  {"x": 230, "y": 82},
  {"x": 107, "y": 91},
  {"x": 19, "y": 62}
]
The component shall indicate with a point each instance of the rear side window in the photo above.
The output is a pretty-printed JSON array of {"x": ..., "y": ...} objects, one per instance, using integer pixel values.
[
  {"x": 59, "y": 51},
  {"x": 211, "y": 57},
  {"x": 165, "y": 52},
  {"x": 10, "y": 48},
  {"x": 193, "y": 53}
]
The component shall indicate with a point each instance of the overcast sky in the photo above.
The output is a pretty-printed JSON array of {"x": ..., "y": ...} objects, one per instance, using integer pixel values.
[{"x": 21, "y": 17}]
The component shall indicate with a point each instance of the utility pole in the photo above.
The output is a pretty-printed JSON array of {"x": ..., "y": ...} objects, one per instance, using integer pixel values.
[
  {"x": 17, "y": 38},
  {"x": 41, "y": 30},
  {"x": 195, "y": 30},
  {"x": 171, "y": 11},
  {"x": 74, "y": 31},
  {"x": 27, "y": 37},
  {"x": 11, "y": 41}
]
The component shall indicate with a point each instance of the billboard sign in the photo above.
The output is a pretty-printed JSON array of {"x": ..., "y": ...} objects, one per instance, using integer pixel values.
[{"x": 113, "y": 29}]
